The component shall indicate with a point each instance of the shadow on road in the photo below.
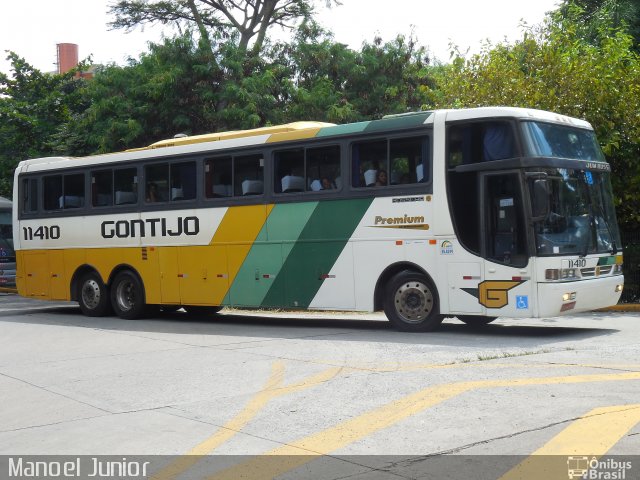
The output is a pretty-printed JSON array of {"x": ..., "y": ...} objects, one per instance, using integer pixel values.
[{"x": 259, "y": 326}]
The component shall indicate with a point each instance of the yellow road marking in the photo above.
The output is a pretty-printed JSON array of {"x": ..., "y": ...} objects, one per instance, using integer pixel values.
[
  {"x": 272, "y": 389},
  {"x": 302, "y": 451},
  {"x": 592, "y": 435}
]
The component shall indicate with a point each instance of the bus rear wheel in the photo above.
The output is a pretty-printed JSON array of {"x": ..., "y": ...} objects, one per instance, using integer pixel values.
[
  {"x": 93, "y": 295},
  {"x": 475, "y": 320},
  {"x": 411, "y": 303},
  {"x": 127, "y": 295}
]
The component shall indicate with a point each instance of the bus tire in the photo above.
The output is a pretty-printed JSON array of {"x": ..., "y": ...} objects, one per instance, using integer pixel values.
[
  {"x": 411, "y": 302},
  {"x": 127, "y": 296},
  {"x": 93, "y": 295},
  {"x": 201, "y": 310},
  {"x": 476, "y": 320}
]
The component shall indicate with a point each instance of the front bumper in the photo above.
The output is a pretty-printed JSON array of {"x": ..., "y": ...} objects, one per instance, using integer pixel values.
[{"x": 589, "y": 295}]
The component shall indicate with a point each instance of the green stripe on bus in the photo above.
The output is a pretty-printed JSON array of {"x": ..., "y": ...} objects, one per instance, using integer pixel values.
[
  {"x": 396, "y": 122},
  {"x": 267, "y": 255},
  {"x": 343, "y": 129},
  {"x": 316, "y": 251},
  {"x": 607, "y": 261}
]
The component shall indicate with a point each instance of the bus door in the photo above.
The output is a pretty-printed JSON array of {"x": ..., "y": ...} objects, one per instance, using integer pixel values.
[{"x": 506, "y": 288}]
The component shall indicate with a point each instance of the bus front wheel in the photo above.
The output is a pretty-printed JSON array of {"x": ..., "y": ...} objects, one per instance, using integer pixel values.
[
  {"x": 127, "y": 295},
  {"x": 411, "y": 303},
  {"x": 93, "y": 296}
]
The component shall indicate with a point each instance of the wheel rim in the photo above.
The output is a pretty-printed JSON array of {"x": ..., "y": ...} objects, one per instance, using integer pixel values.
[
  {"x": 91, "y": 294},
  {"x": 413, "y": 301},
  {"x": 126, "y": 295}
]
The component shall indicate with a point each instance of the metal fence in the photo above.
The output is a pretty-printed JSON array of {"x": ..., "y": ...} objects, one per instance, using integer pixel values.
[{"x": 631, "y": 243}]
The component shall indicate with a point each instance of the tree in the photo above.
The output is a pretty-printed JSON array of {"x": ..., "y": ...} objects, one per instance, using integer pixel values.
[
  {"x": 593, "y": 14},
  {"x": 34, "y": 106},
  {"x": 247, "y": 18},
  {"x": 555, "y": 68}
]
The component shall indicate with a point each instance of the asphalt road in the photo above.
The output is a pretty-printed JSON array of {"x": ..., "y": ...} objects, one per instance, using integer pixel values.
[{"x": 321, "y": 395}]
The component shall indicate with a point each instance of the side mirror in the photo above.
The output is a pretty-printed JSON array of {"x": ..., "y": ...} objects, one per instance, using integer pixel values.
[{"x": 539, "y": 199}]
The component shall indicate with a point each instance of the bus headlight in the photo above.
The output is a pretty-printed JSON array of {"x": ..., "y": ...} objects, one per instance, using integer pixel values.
[
  {"x": 552, "y": 274},
  {"x": 619, "y": 288},
  {"x": 560, "y": 274},
  {"x": 569, "y": 296}
]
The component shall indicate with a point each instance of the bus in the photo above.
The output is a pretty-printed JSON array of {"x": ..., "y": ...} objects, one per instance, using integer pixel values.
[
  {"x": 470, "y": 213},
  {"x": 7, "y": 254}
]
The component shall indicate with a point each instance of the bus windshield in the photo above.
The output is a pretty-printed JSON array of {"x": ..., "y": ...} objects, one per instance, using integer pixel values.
[
  {"x": 581, "y": 217},
  {"x": 560, "y": 141}
]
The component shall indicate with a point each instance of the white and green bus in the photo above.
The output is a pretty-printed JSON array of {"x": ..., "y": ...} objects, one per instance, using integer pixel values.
[{"x": 473, "y": 213}]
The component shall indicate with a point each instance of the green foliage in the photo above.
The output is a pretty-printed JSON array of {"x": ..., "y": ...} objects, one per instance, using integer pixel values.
[
  {"x": 33, "y": 109},
  {"x": 181, "y": 86},
  {"x": 556, "y": 68},
  {"x": 593, "y": 15}
]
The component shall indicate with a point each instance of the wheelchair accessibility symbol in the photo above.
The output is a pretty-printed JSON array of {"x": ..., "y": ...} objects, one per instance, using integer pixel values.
[{"x": 522, "y": 302}]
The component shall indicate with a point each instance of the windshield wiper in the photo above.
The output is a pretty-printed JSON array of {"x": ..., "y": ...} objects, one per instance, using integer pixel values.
[
  {"x": 614, "y": 248},
  {"x": 589, "y": 232}
]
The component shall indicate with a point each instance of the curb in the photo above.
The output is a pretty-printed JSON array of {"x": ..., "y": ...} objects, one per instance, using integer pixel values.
[{"x": 8, "y": 290}]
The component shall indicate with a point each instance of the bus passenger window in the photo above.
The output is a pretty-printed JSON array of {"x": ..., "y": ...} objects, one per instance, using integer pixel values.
[
  {"x": 367, "y": 158},
  {"x": 217, "y": 177},
  {"x": 248, "y": 175},
  {"x": 73, "y": 191},
  {"x": 29, "y": 195},
  {"x": 409, "y": 161},
  {"x": 102, "y": 188},
  {"x": 289, "y": 171},
  {"x": 52, "y": 190},
  {"x": 63, "y": 191},
  {"x": 398, "y": 161},
  {"x": 323, "y": 168},
  {"x": 156, "y": 179},
  {"x": 183, "y": 181},
  {"x": 480, "y": 142},
  {"x": 125, "y": 186}
]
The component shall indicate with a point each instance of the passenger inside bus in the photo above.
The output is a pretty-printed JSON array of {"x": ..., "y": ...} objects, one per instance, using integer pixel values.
[
  {"x": 152, "y": 193},
  {"x": 381, "y": 178}
]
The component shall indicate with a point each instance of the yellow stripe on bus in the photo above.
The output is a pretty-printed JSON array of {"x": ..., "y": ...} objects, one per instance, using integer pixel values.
[
  {"x": 293, "y": 135},
  {"x": 238, "y": 231}
]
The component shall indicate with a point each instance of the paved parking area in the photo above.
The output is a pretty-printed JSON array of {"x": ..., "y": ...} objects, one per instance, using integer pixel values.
[{"x": 277, "y": 395}]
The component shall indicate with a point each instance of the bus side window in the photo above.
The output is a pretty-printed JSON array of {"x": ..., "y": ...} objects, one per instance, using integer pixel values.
[
  {"x": 156, "y": 179},
  {"x": 29, "y": 195},
  {"x": 367, "y": 158},
  {"x": 409, "y": 160},
  {"x": 183, "y": 181},
  {"x": 289, "y": 171},
  {"x": 63, "y": 191},
  {"x": 102, "y": 188},
  {"x": 125, "y": 186},
  {"x": 218, "y": 177},
  {"x": 248, "y": 174},
  {"x": 323, "y": 168},
  {"x": 480, "y": 142},
  {"x": 52, "y": 191}
]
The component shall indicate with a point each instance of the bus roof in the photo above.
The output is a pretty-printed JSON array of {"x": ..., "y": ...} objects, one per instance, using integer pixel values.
[
  {"x": 214, "y": 137},
  {"x": 291, "y": 132}
]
